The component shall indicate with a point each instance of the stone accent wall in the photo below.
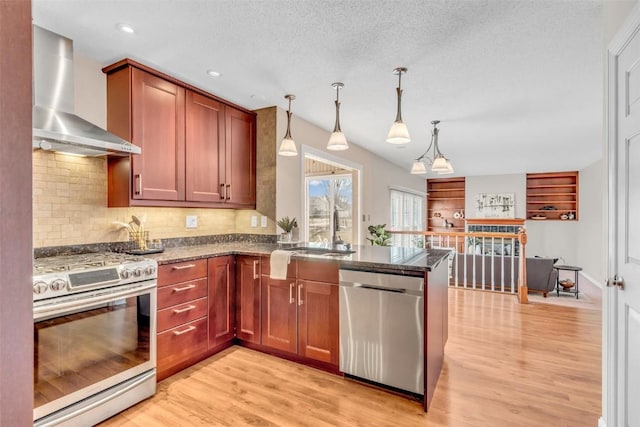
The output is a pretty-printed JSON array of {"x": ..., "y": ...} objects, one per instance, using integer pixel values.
[{"x": 70, "y": 207}]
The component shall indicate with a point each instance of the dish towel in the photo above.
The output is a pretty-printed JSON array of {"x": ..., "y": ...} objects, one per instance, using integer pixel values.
[{"x": 279, "y": 262}]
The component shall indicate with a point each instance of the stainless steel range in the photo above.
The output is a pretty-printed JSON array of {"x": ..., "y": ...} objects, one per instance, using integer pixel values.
[{"x": 94, "y": 336}]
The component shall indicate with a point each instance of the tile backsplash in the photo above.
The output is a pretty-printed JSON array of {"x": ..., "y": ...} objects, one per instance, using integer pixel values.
[{"x": 70, "y": 207}]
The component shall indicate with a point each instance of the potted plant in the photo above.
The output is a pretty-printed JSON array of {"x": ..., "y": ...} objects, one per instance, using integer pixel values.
[
  {"x": 286, "y": 225},
  {"x": 379, "y": 236}
]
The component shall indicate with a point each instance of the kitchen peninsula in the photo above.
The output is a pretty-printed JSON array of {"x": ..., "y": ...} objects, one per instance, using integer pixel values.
[{"x": 296, "y": 318}]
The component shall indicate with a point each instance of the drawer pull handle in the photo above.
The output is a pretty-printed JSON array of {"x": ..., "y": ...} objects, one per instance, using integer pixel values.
[
  {"x": 228, "y": 192},
  {"x": 300, "y": 294},
  {"x": 184, "y": 331},
  {"x": 186, "y": 288},
  {"x": 223, "y": 192},
  {"x": 182, "y": 310},
  {"x": 256, "y": 276},
  {"x": 291, "y": 298},
  {"x": 183, "y": 267}
]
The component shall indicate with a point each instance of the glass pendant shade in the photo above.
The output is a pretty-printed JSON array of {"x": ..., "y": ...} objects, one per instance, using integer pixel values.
[
  {"x": 449, "y": 169},
  {"x": 288, "y": 148},
  {"x": 418, "y": 168},
  {"x": 440, "y": 164},
  {"x": 337, "y": 142},
  {"x": 398, "y": 134}
]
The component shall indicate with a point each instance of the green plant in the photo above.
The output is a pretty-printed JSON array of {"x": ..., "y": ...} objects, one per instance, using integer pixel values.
[
  {"x": 379, "y": 236},
  {"x": 287, "y": 224}
]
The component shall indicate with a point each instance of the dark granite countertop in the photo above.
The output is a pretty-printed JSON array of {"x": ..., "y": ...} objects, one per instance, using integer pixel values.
[{"x": 376, "y": 258}]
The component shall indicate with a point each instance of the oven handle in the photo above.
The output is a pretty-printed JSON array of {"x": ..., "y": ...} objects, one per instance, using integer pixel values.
[
  {"x": 97, "y": 403},
  {"x": 51, "y": 309}
]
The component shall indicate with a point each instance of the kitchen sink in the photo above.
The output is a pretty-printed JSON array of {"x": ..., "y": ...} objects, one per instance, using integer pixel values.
[{"x": 322, "y": 251}]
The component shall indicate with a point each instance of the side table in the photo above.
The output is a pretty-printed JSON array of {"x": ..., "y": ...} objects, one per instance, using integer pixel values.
[{"x": 575, "y": 279}]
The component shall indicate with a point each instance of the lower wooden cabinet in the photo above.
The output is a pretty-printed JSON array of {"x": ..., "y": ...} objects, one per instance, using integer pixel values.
[
  {"x": 279, "y": 314},
  {"x": 301, "y": 316},
  {"x": 204, "y": 305},
  {"x": 221, "y": 300},
  {"x": 248, "y": 327},
  {"x": 318, "y": 321}
]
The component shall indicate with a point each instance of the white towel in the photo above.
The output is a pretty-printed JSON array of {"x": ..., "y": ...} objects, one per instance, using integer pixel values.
[{"x": 279, "y": 262}]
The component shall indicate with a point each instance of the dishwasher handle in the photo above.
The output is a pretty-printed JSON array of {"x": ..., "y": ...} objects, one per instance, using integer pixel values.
[{"x": 381, "y": 288}]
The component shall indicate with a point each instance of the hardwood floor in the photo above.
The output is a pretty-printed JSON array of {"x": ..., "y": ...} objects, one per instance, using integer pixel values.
[{"x": 506, "y": 364}]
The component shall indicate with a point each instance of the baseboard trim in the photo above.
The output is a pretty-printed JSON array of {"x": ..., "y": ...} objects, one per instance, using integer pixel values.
[
  {"x": 595, "y": 283},
  {"x": 601, "y": 422}
]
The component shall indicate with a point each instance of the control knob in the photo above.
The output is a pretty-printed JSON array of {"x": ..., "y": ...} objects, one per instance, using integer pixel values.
[
  {"x": 58, "y": 285},
  {"x": 138, "y": 272},
  {"x": 39, "y": 287},
  {"x": 126, "y": 273},
  {"x": 149, "y": 270}
]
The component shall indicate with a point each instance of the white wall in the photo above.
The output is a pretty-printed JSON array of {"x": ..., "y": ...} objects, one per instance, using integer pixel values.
[
  {"x": 515, "y": 183},
  {"x": 377, "y": 174},
  {"x": 555, "y": 239},
  {"x": 592, "y": 228}
]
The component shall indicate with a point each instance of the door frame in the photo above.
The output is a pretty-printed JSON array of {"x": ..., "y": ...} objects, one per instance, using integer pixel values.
[{"x": 609, "y": 417}]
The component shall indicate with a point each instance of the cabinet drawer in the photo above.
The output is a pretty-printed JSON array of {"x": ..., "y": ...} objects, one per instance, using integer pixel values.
[
  {"x": 319, "y": 271},
  {"x": 181, "y": 343},
  {"x": 183, "y": 313},
  {"x": 181, "y": 272},
  {"x": 265, "y": 266},
  {"x": 179, "y": 293}
]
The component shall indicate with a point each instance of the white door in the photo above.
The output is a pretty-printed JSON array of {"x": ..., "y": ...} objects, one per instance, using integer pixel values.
[{"x": 622, "y": 386}]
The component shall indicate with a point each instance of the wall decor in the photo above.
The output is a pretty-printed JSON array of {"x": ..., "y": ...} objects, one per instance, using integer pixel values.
[{"x": 495, "y": 205}]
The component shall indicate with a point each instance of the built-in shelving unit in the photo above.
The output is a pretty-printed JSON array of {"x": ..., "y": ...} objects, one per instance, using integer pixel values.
[
  {"x": 445, "y": 204},
  {"x": 552, "y": 196}
]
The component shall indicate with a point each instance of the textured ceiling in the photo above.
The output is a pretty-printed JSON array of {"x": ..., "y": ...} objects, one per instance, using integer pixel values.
[{"x": 517, "y": 85}]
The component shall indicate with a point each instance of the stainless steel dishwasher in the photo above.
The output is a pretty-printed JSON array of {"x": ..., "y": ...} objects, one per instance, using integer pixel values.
[{"x": 381, "y": 328}]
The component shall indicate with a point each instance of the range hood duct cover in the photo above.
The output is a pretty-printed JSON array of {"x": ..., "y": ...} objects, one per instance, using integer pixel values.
[{"x": 55, "y": 126}]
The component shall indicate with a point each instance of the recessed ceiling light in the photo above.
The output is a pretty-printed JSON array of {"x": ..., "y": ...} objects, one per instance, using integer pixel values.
[
  {"x": 126, "y": 28},
  {"x": 213, "y": 73}
]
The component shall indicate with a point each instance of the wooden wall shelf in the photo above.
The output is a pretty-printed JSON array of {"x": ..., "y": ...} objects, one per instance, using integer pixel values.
[
  {"x": 445, "y": 204},
  {"x": 558, "y": 190}
]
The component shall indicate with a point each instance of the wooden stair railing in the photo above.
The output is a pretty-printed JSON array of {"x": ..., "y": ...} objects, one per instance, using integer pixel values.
[{"x": 457, "y": 241}]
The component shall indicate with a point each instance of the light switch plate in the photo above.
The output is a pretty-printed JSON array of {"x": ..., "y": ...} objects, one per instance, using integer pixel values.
[
  {"x": 192, "y": 221},
  {"x": 254, "y": 220},
  {"x": 263, "y": 221}
]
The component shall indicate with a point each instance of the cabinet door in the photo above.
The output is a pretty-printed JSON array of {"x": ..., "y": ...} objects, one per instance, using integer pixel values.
[
  {"x": 318, "y": 327},
  {"x": 158, "y": 128},
  {"x": 248, "y": 298},
  {"x": 221, "y": 301},
  {"x": 279, "y": 323},
  {"x": 240, "y": 149},
  {"x": 204, "y": 149}
]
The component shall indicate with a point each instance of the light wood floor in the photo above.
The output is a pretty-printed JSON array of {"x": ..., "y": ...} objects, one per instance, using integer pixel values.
[{"x": 506, "y": 364}]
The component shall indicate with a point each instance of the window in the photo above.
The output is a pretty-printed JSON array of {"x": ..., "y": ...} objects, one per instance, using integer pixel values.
[
  {"x": 407, "y": 213},
  {"x": 330, "y": 207}
]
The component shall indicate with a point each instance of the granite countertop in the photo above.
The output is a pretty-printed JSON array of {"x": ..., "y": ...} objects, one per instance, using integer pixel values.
[{"x": 376, "y": 258}]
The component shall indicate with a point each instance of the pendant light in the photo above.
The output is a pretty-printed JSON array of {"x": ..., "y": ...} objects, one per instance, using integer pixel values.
[
  {"x": 439, "y": 163},
  {"x": 288, "y": 146},
  {"x": 399, "y": 134},
  {"x": 337, "y": 141}
]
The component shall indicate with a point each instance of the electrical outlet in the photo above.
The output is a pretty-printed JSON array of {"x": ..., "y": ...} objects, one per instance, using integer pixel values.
[
  {"x": 254, "y": 220},
  {"x": 263, "y": 221},
  {"x": 192, "y": 221}
]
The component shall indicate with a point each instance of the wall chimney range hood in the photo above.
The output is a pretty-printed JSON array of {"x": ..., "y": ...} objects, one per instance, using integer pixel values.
[{"x": 55, "y": 126}]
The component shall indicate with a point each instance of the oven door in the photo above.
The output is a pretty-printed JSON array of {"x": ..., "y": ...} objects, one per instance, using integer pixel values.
[{"x": 87, "y": 343}]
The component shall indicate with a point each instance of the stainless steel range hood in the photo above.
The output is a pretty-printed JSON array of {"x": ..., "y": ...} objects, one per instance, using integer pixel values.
[{"x": 55, "y": 126}]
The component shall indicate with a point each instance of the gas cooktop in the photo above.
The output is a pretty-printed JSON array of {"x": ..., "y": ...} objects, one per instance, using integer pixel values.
[{"x": 68, "y": 274}]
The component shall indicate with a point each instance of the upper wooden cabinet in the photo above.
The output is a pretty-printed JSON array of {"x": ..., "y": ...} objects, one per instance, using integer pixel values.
[{"x": 197, "y": 150}]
